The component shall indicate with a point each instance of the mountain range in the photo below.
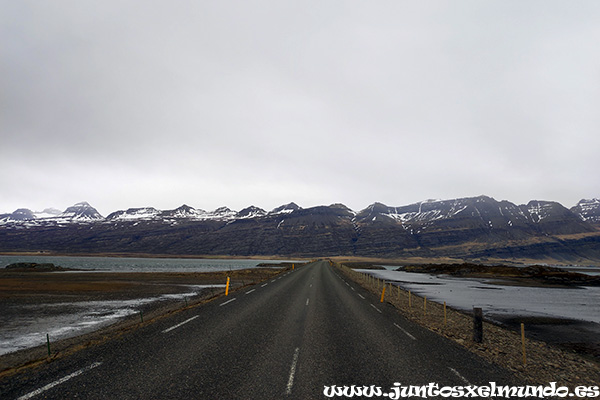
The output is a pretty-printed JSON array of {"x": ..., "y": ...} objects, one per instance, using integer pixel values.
[{"x": 467, "y": 228}]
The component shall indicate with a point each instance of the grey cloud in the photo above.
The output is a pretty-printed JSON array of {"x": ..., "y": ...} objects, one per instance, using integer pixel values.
[{"x": 198, "y": 102}]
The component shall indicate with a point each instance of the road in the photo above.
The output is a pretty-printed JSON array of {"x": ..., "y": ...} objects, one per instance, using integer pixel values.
[{"x": 284, "y": 338}]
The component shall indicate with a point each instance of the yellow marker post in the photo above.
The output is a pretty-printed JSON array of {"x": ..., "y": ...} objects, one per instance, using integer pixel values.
[
  {"x": 227, "y": 288},
  {"x": 382, "y": 293},
  {"x": 523, "y": 343},
  {"x": 293, "y": 266}
]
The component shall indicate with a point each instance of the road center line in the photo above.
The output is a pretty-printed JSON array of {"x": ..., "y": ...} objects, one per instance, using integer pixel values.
[
  {"x": 288, "y": 389},
  {"x": 375, "y": 307},
  {"x": 307, "y": 300},
  {"x": 228, "y": 301},
  {"x": 264, "y": 285},
  {"x": 352, "y": 288},
  {"x": 178, "y": 325},
  {"x": 250, "y": 291},
  {"x": 405, "y": 332},
  {"x": 361, "y": 296},
  {"x": 58, "y": 382},
  {"x": 460, "y": 376}
]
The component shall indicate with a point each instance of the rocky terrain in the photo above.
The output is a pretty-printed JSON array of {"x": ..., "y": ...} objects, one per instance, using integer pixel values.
[{"x": 477, "y": 228}]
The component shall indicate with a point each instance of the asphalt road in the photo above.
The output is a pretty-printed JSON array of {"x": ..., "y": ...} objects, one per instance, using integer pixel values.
[{"x": 285, "y": 338}]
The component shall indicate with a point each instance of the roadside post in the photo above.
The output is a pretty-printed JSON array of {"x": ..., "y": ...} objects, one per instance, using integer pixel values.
[
  {"x": 48, "y": 343},
  {"x": 477, "y": 324},
  {"x": 523, "y": 343},
  {"x": 227, "y": 287}
]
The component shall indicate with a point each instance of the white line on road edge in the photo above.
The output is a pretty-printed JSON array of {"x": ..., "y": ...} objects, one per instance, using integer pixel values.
[
  {"x": 264, "y": 285},
  {"x": 352, "y": 288},
  {"x": 405, "y": 332},
  {"x": 250, "y": 291},
  {"x": 359, "y": 295},
  {"x": 228, "y": 301},
  {"x": 307, "y": 301},
  {"x": 460, "y": 376},
  {"x": 290, "y": 383},
  {"x": 375, "y": 307},
  {"x": 58, "y": 382},
  {"x": 178, "y": 325}
]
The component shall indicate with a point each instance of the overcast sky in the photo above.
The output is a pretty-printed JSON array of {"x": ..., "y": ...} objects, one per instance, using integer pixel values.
[{"x": 211, "y": 103}]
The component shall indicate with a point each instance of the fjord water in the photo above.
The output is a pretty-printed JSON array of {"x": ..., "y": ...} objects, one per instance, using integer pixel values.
[{"x": 500, "y": 300}]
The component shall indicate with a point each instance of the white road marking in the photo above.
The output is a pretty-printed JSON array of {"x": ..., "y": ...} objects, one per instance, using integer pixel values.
[
  {"x": 273, "y": 281},
  {"x": 178, "y": 325},
  {"x": 264, "y": 285},
  {"x": 460, "y": 376},
  {"x": 405, "y": 332},
  {"x": 290, "y": 383},
  {"x": 352, "y": 288},
  {"x": 58, "y": 382},
  {"x": 310, "y": 285},
  {"x": 307, "y": 300},
  {"x": 359, "y": 295},
  {"x": 375, "y": 307},
  {"x": 228, "y": 301},
  {"x": 250, "y": 291}
]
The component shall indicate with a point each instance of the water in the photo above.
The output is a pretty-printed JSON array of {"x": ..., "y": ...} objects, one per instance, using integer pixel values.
[
  {"x": 26, "y": 326},
  {"x": 126, "y": 264},
  {"x": 499, "y": 300}
]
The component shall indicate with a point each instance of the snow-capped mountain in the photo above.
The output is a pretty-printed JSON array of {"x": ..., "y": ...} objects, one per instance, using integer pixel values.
[
  {"x": 142, "y": 213},
  {"x": 183, "y": 212},
  {"x": 251, "y": 212},
  {"x": 47, "y": 213},
  {"x": 21, "y": 214},
  {"x": 80, "y": 212},
  {"x": 465, "y": 227},
  {"x": 286, "y": 208},
  {"x": 588, "y": 210},
  {"x": 480, "y": 212},
  {"x": 221, "y": 214}
]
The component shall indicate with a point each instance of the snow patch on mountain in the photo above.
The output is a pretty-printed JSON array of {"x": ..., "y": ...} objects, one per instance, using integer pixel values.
[
  {"x": 588, "y": 210},
  {"x": 251, "y": 212},
  {"x": 143, "y": 213},
  {"x": 81, "y": 212}
]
